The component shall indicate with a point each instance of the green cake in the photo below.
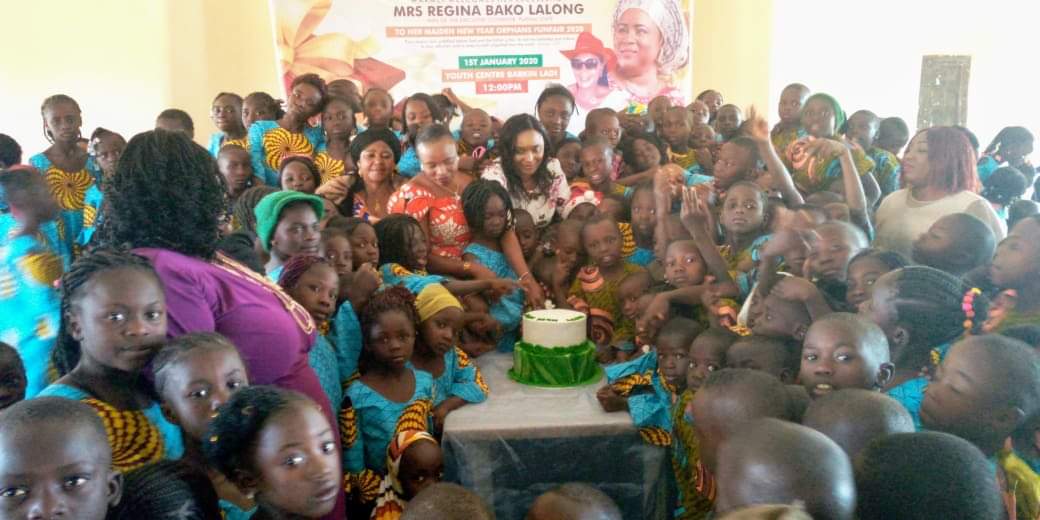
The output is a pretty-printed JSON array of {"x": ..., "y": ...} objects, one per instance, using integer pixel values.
[{"x": 555, "y": 351}]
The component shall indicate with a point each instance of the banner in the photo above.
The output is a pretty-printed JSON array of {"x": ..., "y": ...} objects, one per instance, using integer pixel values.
[{"x": 494, "y": 54}]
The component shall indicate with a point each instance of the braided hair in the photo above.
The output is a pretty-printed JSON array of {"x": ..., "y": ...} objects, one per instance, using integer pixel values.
[
  {"x": 246, "y": 203},
  {"x": 296, "y": 267},
  {"x": 166, "y": 193},
  {"x": 392, "y": 299},
  {"x": 263, "y": 98},
  {"x": 178, "y": 349},
  {"x": 49, "y": 103},
  {"x": 929, "y": 303},
  {"x": 67, "y": 351},
  {"x": 474, "y": 203},
  {"x": 395, "y": 239},
  {"x": 167, "y": 489},
  {"x": 10, "y": 152},
  {"x": 232, "y": 435}
]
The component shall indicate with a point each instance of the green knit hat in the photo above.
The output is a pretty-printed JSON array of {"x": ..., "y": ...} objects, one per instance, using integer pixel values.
[{"x": 270, "y": 209}]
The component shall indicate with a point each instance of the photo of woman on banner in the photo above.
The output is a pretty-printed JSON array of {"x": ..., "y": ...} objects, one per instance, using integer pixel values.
[
  {"x": 590, "y": 63},
  {"x": 651, "y": 42}
]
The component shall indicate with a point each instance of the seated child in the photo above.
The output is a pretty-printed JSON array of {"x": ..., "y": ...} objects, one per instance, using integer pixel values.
[
  {"x": 956, "y": 243},
  {"x": 12, "y": 376},
  {"x": 241, "y": 443},
  {"x": 446, "y": 501},
  {"x": 106, "y": 373},
  {"x": 892, "y": 135},
  {"x": 958, "y": 482},
  {"x": 287, "y": 224},
  {"x": 569, "y": 155},
  {"x": 634, "y": 297},
  {"x": 854, "y": 418},
  {"x": 573, "y": 501},
  {"x": 597, "y": 160},
  {"x": 921, "y": 311},
  {"x": 415, "y": 463},
  {"x": 457, "y": 381},
  {"x": 841, "y": 351},
  {"x": 727, "y": 122},
  {"x": 30, "y": 265},
  {"x": 473, "y": 141},
  {"x": 195, "y": 374},
  {"x": 390, "y": 396},
  {"x": 789, "y": 128},
  {"x": 46, "y": 444},
  {"x": 774, "y": 462},
  {"x": 864, "y": 270},
  {"x": 594, "y": 292},
  {"x": 774, "y": 356},
  {"x": 1016, "y": 271},
  {"x": 648, "y": 388},
  {"x": 299, "y": 173},
  {"x": 167, "y": 489},
  {"x": 175, "y": 120},
  {"x": 987, "y": 388}
]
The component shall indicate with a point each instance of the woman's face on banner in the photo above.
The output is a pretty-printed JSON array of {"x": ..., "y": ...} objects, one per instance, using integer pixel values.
[
  {"x": 587, "y": 68},
  {"x": 637, "y": 42}
]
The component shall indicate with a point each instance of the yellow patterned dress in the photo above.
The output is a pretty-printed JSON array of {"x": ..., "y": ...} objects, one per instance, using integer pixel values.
[
  {"x": 269, "y": 143},
  {"x": 69, "y": 190},
  {"x": 368, "y": 421}
]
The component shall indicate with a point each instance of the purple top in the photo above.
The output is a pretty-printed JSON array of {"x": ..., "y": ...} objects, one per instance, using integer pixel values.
[{"x": 272, "y": 332}]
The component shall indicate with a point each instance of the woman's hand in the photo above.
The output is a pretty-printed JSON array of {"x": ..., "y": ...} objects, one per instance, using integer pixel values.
[{"x": 533, "y": 293}]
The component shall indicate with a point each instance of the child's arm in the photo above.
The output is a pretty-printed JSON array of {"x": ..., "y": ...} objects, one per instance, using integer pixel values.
[
  {"x": 638, "y": 178},
  {"x": 610, "y": 400},
  {"x": 855, "y": 196},
  {"x": 792, "y": 288},
  {"x": 497, "y": 286},
  {"x": 450, "y": 94},
  {"x": 363, "y": 283},
  {"x": 757, "y": 128},
  {"x": 515, "y": 258},
  {"x": 696, "y": 217}
]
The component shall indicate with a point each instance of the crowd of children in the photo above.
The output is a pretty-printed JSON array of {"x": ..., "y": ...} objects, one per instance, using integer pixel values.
[{"x": 811, "y": 320}]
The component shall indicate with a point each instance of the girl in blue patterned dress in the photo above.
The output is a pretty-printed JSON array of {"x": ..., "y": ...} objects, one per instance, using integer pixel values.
[
  {"x": 29, "y": 267},
  {"x": 271, "y": 141},
  {"x": 70, "y": 171},
  {"x": 226, "y": 114},
  {"x": 389, "y": 397},
  {"x": 456, "y": 379}
]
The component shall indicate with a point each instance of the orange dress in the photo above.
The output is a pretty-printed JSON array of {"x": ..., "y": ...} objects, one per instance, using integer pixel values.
[{"x": 449, "y": 233}]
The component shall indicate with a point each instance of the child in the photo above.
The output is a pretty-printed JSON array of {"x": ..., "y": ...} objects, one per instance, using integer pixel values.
[
  {"x": 55, "y": 461},
  {"x": 862, "y": 129},
  {"x": 642, "y": 154},
  {"x": 567, "y": 257},
  {"x": 921, "y": 311},
  {"x": 864, "y": 270},
  {"x": 195, "y": 374},
  {"x": 457, "y": 381},
  {"x": 602, "y": 122},
  {"x": 844, "y": 351},
  {"x": 644, "y": 220},
  {"x": 299, "y": 173},
  {"x": 260, "y": 106},
  {"x": 526, "y": 233},
  {"x": 1004, "y": 186},
  {"x": 1021, "y": 208},
  {"x": 657, "y": 108},
  {"x": 271, "y": 141},
  {"x": 713, "y": 100},
  {"x": 30, "y": 266},
  {"x": 333, "y": 159},
  {"x": 377, "y": 107},
  {"x": 10, "y": 152},
  {"x": 594, "y": 292},
  {"x": 892, "y": 135},
  {"x": 835, "y": 243},
  {"x": 573, "y": 501},
  {"x": 12, "y": 376},
  {"x": 987, "y": 388},
  {"x": 106, "y": 147},
  {"x": 956, "y": 243},
  {"x": 167, "y": 489},
  {"x": 364, "y": 243},
  {"x": 789, "y": 128},
  {"x": 745, "y": 222},
  {"x": 634, "y": 297},
  {"x": 676, "y": 130},
  {"x": 700, "y": 111},
  {"x": 854, "y": 418},
  {"x": 287, "y": 224},
  {"x": 774, "y": 356},
  {"x": 1012, "y": 145},
  {"x": 236, "y": 167},
  {"x": 474, "y": 142},
  {"x": 419, "y": 111},
  {"x": 415, "y": 463},
  {"x": 958, "y": 481},
  {"x": 1016, "y": 270},
  {"x": 665, "y": 375},
  {"x": 314, "y": 284},
  {"x": 728, "y": 121},
  {"x": 69, "y": 170},
  {"x": 597, "y": 160},
  {"x": 569, "y": 155},
  {"x": 775, "y": 312},
  {"x": 489, "y": 208},
  {"x": 772, "y": 462},
  {"x": 446, "y": 501},
  {"x": 390, "y": 396},
  {"x": 264, "y": 439},
  {"x": 100, "y": 359},
  {"x": 175, "y": 120},
  {"x": 226, "y": 114}
]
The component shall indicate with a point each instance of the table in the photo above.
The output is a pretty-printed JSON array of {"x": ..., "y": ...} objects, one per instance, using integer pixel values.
[{"x": 525, "y": 440}]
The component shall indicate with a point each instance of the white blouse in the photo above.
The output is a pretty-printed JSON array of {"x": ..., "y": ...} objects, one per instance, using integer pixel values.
[
  {"x": 901, "y": 218},
  {"x": 542, "y": 206}
]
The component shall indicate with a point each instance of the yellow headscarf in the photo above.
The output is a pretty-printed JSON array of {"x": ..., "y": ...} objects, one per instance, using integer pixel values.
[{"x": 434, "y": 298}]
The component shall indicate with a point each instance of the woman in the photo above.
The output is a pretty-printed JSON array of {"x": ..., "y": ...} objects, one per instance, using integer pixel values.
[
  {"x": 270, "y": 141},
  {"x": 165, "y": 200},
  {"x": 651, "y": 42},
  {"x": 367, "y": 194},
  {"x": 590, "y": 62},
  {"x": 535, "y": 181},
  {"x": 555, "y": 108},
  {"x": 939, "y": 173}
]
